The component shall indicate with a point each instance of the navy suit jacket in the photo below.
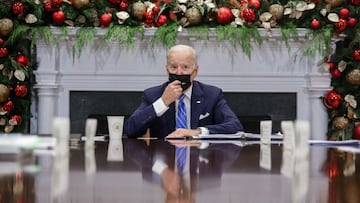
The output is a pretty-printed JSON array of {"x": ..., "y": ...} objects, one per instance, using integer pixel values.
[{"x": 208, "y": 109}]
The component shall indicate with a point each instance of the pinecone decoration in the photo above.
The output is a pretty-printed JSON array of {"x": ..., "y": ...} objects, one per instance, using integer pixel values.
[{"x": 95, "y": 16}]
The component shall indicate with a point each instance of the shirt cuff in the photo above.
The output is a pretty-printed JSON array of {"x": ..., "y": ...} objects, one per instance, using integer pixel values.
[
  {"x": 160, "y": 107},
  {"x": 159, "y": 167},
  {"x": 204, "y": 131}
]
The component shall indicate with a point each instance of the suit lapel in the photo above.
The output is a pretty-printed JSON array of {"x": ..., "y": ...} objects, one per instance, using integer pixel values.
[{"x": 197, "y": 103}]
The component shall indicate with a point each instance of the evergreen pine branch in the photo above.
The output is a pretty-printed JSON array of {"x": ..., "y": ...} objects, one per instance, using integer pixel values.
[
  {"x": 46, "y": 34},
  {"x": 84, "y": 35},
  {"x": 16, "y": 34},
  {"x": 319, "y": 42},
  {"x": 201, "y": 32},
  {"x": 245, "y": 42},
  {"x": 123, "y": 34},
  {"x": 289, "y": 30},
  {"x": 165, "y": 34},
  {"x": 220, "y": 33},
  {"x": 255, "y": 34},
  {"x": 64, "y": 32}
]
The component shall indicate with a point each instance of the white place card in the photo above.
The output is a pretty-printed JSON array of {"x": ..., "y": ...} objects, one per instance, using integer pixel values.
[
  {"x": 115, "y": 126},
  {"x": 288, "y": 130},
  {"x": 265, "y": 132},
  {"x": 90, "y": 131},
  {"x": 302, "y": 134},
  {"x": 265, "y": 156},
  {"x": 115, "y": 150},
  {"x": 90, "y": 161},
  {"x": 61, "y": 131},
  {"x": 288, "y": 163}
]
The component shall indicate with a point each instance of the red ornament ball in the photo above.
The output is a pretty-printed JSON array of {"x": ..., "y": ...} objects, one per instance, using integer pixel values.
[
  {"x": 344, "y": 13},
  {"x": 224, "y": 16},
  {"x": 105, "y": 19},
  {"x": 255, "y": 3},
  {"x": 20, "y": 90},
  {"x": 8, "y": 106},
  {"x": 15, "y": 120},
  {"x": 155, "y": 10},
  {"x": 356, "y": 132},
  {"x": 2, "y": 41},
  {"x": 123, "y": 5},
  {"x": 23, "y": 60},
  {"x": 315, "y": 24},
  {"x": 58, "y": 17},
  {"x": 162, "y": 19},
  {"x": 340, "y": 26},
  {"x": 352, "y": 22},
  {"x": 48, "y": 7},
  {"x": 115, "y": 1},
  {"x": 356, "y": 54},
  {"x": 56, "y": 3},
  {"x": 331, "y": 65},
  {"x": 332, "y": 99},
  {"x": 18, "y": 8},
  {"x": 336, "y": 73},
  {"x": 248, "y": 14},
  {"x": 149, "y": 18},
  {"x": 354, "y": 2},
  {"x": 3, "y": 52}
]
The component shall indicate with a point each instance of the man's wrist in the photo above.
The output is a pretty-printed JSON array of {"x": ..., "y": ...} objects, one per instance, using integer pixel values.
[{"x": 202, "y": 131}]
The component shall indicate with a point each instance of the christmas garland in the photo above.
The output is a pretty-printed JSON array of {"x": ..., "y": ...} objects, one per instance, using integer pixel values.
[{"x": 237, "y": 21}]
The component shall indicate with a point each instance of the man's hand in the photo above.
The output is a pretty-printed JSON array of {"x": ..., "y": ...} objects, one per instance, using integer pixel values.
[
  {"x": 172, "y": 92},
  {"x": 182, "y": 132}
]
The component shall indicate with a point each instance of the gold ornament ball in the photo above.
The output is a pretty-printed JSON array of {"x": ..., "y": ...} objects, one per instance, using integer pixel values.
[
  {"x": 353, "y": 77},
  {"x": 4, "y": 93},
  {"x": 138, "y": 10},
  {"x": 277, "y": 11},
  {"x": 340, "y": 123},
  {"x": 80, "y": 3},
  {"x": 333, "y": 3},
  {"x": 6, "y": 26},
  {"x": 193, "y": 15}
]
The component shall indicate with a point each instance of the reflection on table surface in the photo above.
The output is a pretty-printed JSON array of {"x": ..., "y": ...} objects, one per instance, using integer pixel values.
[{"x": 131, "y": 170}]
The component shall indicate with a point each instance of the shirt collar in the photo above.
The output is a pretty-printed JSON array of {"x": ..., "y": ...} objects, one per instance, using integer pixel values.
[{"x": 188, "y": 92}]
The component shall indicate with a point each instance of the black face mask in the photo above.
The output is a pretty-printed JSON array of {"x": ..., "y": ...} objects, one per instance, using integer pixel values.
[{"x": 184, "y": 79}]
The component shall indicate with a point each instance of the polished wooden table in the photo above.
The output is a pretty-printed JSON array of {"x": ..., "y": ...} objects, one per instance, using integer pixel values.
[{"x": 219, "y": 171}]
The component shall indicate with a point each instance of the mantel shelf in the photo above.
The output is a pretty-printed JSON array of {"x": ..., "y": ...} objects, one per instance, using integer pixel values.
[{"x": 100, "y": 32}]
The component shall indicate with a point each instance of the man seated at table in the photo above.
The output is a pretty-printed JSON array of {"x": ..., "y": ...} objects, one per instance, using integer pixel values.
[{"x": 182, "y": 106}]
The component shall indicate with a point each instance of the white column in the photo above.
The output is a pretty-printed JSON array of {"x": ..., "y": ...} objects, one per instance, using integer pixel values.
[
  {"x": 47, "y": 96},
  {"x": 319, "y": 84},
  {"x": 46, "y": 86}
]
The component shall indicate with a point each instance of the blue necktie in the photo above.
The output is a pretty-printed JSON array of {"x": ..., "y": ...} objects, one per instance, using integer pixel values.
[
  {"x": 181, "y": 114},
  {"x": 180, "y": 159},
  {"x": 181, "y": 123}
]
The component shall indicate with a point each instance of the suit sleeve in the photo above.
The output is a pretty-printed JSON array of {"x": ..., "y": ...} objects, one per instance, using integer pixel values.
[
  {"x": 225, "y": 121},
  {"x": 137, "y": 124}
]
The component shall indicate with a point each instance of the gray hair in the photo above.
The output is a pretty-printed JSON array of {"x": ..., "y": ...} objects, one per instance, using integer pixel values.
[{"x": 182, "y": 47}]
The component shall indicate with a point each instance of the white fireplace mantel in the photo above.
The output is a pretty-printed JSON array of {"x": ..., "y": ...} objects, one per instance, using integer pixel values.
[{"x": 272, "y": 68}]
